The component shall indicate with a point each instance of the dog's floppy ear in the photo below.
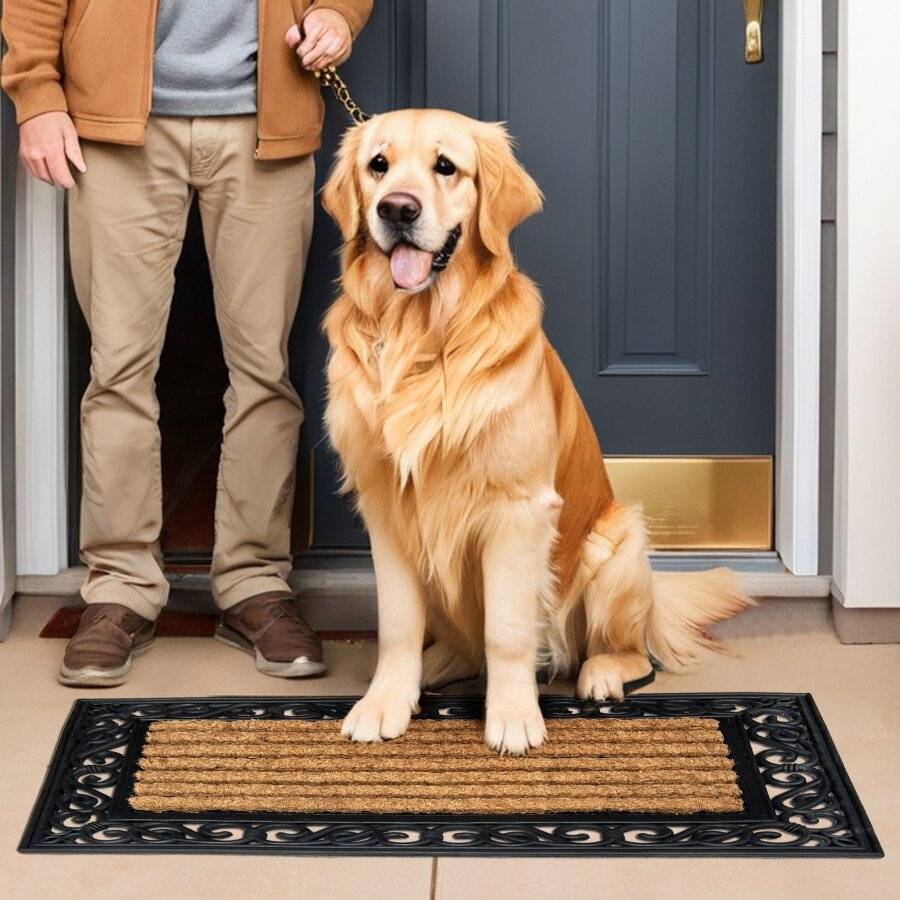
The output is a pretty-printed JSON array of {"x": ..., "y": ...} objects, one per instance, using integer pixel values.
[
  {"x": 340, "y": 196},
  {"x": 507, "y": 193}
]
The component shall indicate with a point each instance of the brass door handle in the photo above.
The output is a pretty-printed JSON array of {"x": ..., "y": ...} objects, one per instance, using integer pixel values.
[{"x": 753, "y": 13}]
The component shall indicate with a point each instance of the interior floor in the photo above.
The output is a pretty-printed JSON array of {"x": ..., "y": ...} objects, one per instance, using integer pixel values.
[{"x": 783, "y": 646}]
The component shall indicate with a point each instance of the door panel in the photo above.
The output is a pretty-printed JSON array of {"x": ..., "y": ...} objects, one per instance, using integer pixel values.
[
  {"x": 653, "y": 190},
  {"x": 386, "y": 71},
  {"x": 655, "y": 145},
  {"x": 659, "y": 228}
]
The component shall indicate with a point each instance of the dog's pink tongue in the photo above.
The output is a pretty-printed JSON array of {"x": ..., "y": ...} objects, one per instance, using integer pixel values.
[{"x": 409, "y": 266}]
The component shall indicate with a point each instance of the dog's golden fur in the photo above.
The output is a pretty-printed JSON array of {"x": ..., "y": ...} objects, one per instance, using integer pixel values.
[{"x": 494, "y": 528}]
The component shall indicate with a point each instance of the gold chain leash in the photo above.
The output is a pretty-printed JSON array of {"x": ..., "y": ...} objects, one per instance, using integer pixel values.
[{"x": 329, "y": 78}]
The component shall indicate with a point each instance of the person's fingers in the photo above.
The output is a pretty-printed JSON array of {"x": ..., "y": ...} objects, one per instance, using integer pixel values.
[
  {"x": 331, "y": 53},
  {"x": 309, "y": 61},
  {"x": 58, "y": 167},
  {"x": 310, "y": 47},
  {"x": 73, "y": 150},
  {"x": 312, "y": 51},
  {"x": 320, "y": 44},
  {"x": 38, "y": 168},
  {"x": 338, "y": 46},
  {"x": 316, "y": 59},
  {"x": 312, "y": 32},
  {"x": 292, "y": 36},
  {"x": 322, "y": 50},
  {"x": 319, "y": 61},
  {"x": 314, "y": 26},
  {"x": 344, "y": 55}
]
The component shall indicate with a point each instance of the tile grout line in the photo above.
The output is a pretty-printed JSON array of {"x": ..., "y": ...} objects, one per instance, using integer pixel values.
[{"x": 432, "y": 893}]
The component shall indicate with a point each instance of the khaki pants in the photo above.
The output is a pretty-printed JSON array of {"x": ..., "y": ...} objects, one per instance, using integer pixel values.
[{"x": 127, "y": 217}]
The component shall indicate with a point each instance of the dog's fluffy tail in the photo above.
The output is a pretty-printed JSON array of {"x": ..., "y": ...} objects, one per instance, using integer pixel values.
[{"x": 684, "y": 604}]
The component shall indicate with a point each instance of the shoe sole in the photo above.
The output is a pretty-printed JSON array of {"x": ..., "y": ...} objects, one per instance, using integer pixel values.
[
  {"x": 88, "y": 677},
  {"x": 301, "y": 667}
]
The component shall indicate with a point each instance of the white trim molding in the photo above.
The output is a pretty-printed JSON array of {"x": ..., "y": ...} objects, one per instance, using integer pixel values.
[
  {"x": 41, "y": 379},
  {"x": 8, "y": 160},
  {"x": 867, "y": 327},
  {"x": 799, "y": 287}
]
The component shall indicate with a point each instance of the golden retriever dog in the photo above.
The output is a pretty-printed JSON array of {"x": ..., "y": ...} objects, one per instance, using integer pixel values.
[{"x": 495, "y": 533}]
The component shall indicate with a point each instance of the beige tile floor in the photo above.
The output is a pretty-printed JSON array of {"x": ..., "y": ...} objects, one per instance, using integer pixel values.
[{"x": 782, "y": 647}]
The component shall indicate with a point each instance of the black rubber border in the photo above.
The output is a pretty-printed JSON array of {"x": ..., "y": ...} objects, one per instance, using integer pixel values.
[{"x": 758, "y": 809}]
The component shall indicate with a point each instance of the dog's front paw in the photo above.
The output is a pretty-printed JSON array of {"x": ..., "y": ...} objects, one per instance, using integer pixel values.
[
  {"x": 380, "y": 715},
  {"x": 514, "y": 726}
]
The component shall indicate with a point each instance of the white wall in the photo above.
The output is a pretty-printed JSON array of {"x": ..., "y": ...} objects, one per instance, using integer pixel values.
[{"x": 867, "y": 365}]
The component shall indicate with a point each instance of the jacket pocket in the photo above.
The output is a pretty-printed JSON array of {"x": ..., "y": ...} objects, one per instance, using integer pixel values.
[
  {"x": 81, "y": 13},
  {"x": 105, "y": 57}
]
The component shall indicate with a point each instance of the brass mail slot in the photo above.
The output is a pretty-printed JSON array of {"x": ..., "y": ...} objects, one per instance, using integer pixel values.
[{"x": 699, "y": 503}]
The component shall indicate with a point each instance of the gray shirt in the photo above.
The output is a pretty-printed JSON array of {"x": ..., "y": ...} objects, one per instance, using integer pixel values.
[{"x": 205, "y": 60}]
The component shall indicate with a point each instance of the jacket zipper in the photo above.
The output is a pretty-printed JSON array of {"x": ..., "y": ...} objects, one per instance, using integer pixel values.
[
  {"x": 260, "y": 16},
  {"x": 148, "y": 97}
]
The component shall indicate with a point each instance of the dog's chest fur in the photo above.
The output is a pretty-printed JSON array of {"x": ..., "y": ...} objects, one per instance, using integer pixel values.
[
  {"x": 433, "y": 417},
  {"x": 433, "y": 433}
]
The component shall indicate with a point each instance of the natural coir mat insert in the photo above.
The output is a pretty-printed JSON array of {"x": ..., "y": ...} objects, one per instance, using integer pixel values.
[
  {"x": 656, "y": 765},
  {"x": 675, "y": 774}
]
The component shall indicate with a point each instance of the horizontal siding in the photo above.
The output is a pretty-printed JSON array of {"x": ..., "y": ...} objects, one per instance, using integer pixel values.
[
  {"x": 829, "y": 177},
  {"x": 829, "y": 92},
  {"x": 829, "y": 257},
  {"x": 830, "y": 26}
]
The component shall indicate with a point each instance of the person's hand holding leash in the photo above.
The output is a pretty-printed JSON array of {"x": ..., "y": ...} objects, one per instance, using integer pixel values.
[
  {"x": 325, "y": 41},
  {"x": 47, "y": 144}
]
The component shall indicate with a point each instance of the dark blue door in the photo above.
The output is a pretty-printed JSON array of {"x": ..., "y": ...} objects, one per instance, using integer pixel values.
[{"x": 655, "y": 145}]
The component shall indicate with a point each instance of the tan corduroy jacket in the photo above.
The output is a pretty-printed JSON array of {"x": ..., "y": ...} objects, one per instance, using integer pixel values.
[{"x": 94, "y": 60}]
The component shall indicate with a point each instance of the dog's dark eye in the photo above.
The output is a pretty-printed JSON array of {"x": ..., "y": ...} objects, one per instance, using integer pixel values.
[
  {"x": 443, "y": 166},
  {"x": 378, "y": 165}
]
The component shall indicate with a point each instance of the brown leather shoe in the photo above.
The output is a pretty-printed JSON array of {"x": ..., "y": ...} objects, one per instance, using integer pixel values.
[
  {"x": 100, "y": 652},
  {"x": 269, "y": 626}
]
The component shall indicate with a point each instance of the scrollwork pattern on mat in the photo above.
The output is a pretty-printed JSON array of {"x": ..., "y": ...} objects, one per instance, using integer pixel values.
[{"x": 809, "y": 814}]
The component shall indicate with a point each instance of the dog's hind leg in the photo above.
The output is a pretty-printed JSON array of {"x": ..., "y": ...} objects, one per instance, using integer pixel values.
[
  {"x": 443, "y": 664},
  {"x": 603, "y": 676},
  {"x": 617, "y": 604}
]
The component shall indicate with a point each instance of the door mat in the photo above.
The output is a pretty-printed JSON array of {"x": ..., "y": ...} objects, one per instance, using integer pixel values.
[
  {"x": 670, "y": 774},
  {"x": 64, "y": 623}
]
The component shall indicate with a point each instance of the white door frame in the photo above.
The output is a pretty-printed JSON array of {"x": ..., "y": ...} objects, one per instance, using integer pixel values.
[
  {"x": 799, "y": 287},
  {"x": 7, "y": 380},
  {"x": 41, "y": 380},
  {"x": 42, "y": 375}
]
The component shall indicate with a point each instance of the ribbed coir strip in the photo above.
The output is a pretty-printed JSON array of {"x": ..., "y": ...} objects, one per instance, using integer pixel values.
[{"x": 636, "y": 765}]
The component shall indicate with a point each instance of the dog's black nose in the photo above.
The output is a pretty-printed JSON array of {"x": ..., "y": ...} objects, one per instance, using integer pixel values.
[{"x": 399, "y": 208}]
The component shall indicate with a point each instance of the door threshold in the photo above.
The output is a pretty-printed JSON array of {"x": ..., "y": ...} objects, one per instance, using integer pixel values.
[
  {"x": 335, "y": 598},
  {"x": 762, "y": 574},
  {"x": 740, "y": 560}
]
